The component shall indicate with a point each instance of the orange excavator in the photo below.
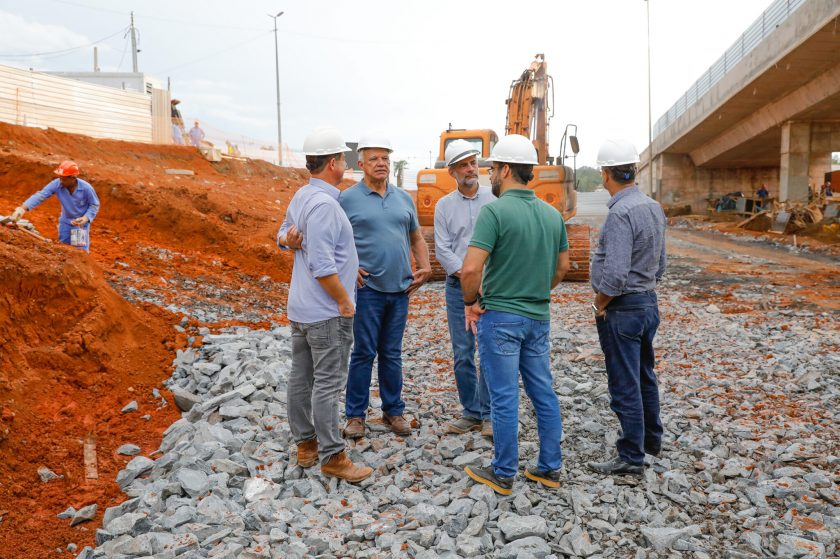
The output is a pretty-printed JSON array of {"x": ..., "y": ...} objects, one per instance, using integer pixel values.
[{"x": 529, "y": 109}]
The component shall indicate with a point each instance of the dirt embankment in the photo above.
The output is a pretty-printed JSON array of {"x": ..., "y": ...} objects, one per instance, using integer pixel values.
[{"x": 73, "y": 351}]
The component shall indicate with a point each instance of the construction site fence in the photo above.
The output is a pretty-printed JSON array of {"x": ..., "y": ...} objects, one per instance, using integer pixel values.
[
  {"x": 29, "y": 98},
  {"x": 770, "y": 19}
]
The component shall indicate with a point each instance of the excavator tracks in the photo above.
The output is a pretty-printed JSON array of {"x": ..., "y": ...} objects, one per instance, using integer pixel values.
[{"x": 579, "y": 250}]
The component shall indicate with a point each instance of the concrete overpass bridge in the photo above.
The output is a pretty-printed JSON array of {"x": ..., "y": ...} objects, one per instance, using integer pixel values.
[{"x": 768, "y": 111}]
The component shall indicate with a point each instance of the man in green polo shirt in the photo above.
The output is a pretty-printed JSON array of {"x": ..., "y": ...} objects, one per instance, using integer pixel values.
[{"x": 519, "y": 245}]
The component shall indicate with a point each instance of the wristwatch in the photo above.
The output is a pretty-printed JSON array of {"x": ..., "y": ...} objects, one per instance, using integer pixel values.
[{"x": 471, "y": 303}]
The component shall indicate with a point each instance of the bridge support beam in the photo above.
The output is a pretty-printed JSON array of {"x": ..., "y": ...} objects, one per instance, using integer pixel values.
[
  {"x": 805, "y": 157},
  {"x": 796, "y": 162}
]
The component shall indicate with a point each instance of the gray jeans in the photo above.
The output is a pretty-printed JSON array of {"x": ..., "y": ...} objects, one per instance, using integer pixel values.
[{"x": 320, "y": 355}]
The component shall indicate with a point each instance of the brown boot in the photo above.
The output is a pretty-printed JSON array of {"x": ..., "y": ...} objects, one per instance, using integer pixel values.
[
  {"x": 355, "y": 428},
  {"x": 397, "y": 423},
  {"x": 341, "y": 467},
  {"x": 307, "y": 453}
]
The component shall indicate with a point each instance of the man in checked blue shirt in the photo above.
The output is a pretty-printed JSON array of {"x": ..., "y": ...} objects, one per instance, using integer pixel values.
[
  {"x": 321, "y": 307},
  {"x": 627, "y": 265},
  {"x": 79, "y": 205}
]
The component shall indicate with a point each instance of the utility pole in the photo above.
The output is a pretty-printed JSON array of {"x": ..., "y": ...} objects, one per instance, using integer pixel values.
[
  {"x": 653, "y": 194},
  {"x": 133, "y": 45},
  {"x": 277, "y": 76}
]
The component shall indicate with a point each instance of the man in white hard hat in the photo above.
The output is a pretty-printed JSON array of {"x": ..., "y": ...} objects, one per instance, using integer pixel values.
[
  {"x": 387, "y": 232},
  {"x": 627, "y": 265},
  {"x": 518, "y": 254},
  {"x": 321, "y": 307},
  {"x": 455, "y": 216}
]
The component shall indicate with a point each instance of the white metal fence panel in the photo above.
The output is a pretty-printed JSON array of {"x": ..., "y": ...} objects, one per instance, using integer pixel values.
[{"x": 30, "y": 98}]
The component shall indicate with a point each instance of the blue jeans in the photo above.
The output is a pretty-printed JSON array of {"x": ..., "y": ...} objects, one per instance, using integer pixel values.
[
  {"x": 378, "y": 331},
  {"x": 510, "y": 344},
  {"x": 472, "y": 388},
  {"x": 626, "y": 333}
]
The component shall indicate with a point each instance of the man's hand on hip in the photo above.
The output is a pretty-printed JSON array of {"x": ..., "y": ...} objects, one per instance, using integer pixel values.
[
  {"x": 421, "y": 276},
  {"x": 361, "y": 277}
]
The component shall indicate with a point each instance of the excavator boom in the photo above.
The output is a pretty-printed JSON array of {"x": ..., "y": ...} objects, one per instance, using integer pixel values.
[{"x": 529, "y": 106}]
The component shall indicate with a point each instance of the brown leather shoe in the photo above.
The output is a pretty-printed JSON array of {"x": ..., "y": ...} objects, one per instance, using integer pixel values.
[
  {"x": 307, "y": 453},
  {"x": 397, "y": 424},
  {"x": 355, "y": 428},
  {"x": 341, "y": 467}
]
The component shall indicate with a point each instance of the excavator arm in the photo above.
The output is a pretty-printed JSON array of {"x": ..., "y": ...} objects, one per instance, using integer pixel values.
[{"x": 529, "y": 106}]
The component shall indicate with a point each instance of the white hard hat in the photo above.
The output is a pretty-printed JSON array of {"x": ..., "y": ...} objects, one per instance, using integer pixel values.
[
  {"x": 617, "y": 152},
  {"x": 514, "y": 149},
  {"x": 374, "y": 140},
  {"x": 324, "y": 141},
  {"x": 458, "y": 150}
]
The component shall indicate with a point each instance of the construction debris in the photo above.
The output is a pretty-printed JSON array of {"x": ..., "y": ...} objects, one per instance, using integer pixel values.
[{"x": 788, "y": 218}]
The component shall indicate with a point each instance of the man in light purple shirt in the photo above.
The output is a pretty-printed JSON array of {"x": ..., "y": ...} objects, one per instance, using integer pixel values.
[{"x": 321, "y": 307}]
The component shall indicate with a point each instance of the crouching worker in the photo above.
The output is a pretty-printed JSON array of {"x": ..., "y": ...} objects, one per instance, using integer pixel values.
[
  {"x": 321, "y": 307},
  {"x": 79, "y": 205}
]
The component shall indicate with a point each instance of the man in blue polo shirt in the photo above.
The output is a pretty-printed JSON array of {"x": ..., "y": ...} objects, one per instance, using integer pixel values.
[
  {"x": 386, "y": 231},
  {"x": 79, "y": 205},
  {"x": 321, "y": 308}
]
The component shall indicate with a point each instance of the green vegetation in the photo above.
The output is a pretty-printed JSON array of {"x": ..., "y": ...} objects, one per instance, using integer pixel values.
[{"x": 588, "y": 179}]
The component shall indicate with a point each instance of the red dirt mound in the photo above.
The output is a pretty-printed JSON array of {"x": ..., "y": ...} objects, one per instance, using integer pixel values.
[{"x": 72, "y": 354}]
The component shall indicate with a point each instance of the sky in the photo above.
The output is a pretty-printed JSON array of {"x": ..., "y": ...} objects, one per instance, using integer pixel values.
[{"x": 407, "y": 69}]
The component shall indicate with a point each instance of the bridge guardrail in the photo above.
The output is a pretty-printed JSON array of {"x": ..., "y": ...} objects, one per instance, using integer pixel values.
[{"x": 770, "y": 19}]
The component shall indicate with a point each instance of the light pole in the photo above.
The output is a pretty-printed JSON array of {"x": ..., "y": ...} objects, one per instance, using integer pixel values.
[
  {"x": 650, "y": 116},
  {"x": 277, "y": 75}
]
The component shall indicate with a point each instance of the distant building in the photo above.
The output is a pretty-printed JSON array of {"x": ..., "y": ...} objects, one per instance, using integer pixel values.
[{"x": 129, "y": 81}]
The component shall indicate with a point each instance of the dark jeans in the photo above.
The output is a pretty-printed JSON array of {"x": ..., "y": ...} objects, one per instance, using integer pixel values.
[
  {"x": 472, "y": 387},
  {"x": 626, "y": 333},
  {"x": 378, "y": 331}
]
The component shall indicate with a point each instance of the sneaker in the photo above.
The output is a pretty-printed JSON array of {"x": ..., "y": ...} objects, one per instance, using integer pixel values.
[
  {"x": 501, "y": 485},
  {"x": 463, "y": 425},
  {"x": 617, "y": 466},
  {"x": 548, "y": 479},
  {"x": 355, "y": 428},
  {"x": 397, "y": 424},
  {"x": 487, "y": 429},
  {"x": 338, "y": 465},
  {"x": 307, "y": 453}
]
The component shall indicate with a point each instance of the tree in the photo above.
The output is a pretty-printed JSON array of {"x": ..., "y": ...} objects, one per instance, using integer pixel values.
[
  {"x": 399, "y": 169},
  {"x": 835, "y": 158},
  {"x": 588, "y": 179}
]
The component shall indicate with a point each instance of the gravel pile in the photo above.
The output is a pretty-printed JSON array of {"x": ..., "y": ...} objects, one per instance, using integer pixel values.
[{"x": 749, "y": 467}]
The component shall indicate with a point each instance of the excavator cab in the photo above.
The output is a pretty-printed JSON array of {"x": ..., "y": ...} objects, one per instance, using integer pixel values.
[
  {"x": 482, "y": 140},
  {"x": 530, "y": 105}
]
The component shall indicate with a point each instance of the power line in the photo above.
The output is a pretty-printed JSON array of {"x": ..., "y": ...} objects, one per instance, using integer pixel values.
[
  {"x": 211, "y": 55},
  {"x": 64, "y": 51}
]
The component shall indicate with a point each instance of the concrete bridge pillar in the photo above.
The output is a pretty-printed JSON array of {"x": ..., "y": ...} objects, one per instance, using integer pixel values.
[{"x": 796, "y": 161}]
